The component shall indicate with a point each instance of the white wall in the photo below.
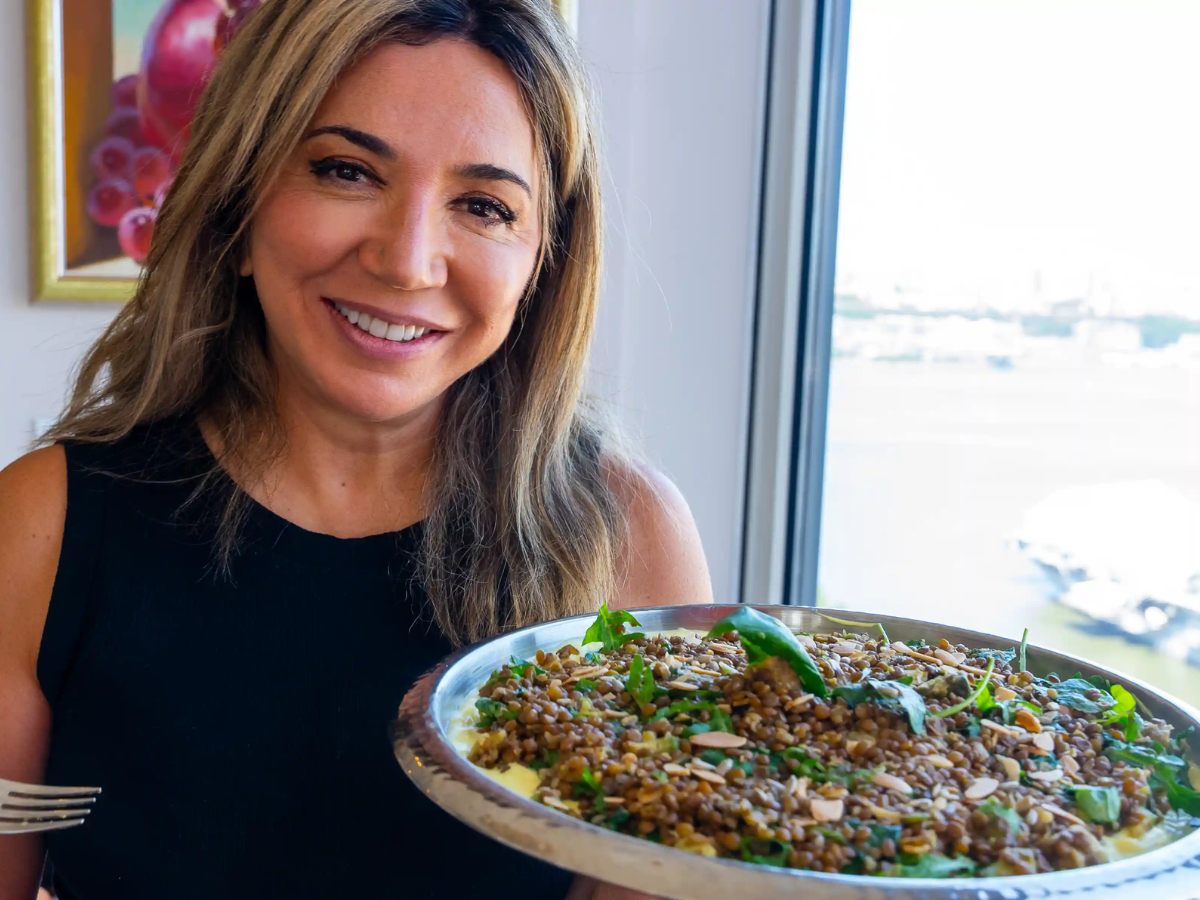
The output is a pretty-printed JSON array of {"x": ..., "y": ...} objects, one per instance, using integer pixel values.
[
  {"x": 681, "y": 84},
  {"x": 39, "y": 343}
]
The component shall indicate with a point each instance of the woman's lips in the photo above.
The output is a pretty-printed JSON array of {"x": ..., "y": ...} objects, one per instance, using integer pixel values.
[{"x": 378, "y": 337}]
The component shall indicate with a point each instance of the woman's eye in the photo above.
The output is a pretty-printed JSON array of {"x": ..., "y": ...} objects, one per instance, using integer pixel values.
[
  {"x": 490, "y": 211},
  {"x": 340, "y": 170}
]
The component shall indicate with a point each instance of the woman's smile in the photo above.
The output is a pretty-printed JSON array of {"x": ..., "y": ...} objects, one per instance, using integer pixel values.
[{"x": 381, "y": 334}]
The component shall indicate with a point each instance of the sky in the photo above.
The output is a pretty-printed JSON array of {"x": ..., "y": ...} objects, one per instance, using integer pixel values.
[{"x": 1014, "y": 152}]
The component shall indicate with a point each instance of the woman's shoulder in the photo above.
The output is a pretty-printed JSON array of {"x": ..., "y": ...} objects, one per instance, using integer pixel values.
[
  {"x": 33, "y": 511},
  {"x": 662, "y": 560}
]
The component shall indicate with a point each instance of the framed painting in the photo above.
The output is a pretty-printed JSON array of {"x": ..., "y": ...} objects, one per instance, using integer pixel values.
[{"x": 113, "y": 86}]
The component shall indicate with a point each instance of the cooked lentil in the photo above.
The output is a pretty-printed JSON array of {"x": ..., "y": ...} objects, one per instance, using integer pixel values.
[{"x": 727, "y": 759}]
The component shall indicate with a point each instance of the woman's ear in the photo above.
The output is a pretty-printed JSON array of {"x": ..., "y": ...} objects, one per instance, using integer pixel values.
[{"x": 246, "y": 269}]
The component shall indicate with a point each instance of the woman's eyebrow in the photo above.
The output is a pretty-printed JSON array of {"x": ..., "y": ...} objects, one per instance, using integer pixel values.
[
  {"x": 489, "y": 172},
  {"x": 368, "y": 142}
]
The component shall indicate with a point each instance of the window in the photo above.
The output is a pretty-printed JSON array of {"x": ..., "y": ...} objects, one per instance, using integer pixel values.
[{"x": 1013, "y": 431}]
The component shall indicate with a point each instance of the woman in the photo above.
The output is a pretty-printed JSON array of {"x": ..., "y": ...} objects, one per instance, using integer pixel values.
[{"x": 336, "y": 433}]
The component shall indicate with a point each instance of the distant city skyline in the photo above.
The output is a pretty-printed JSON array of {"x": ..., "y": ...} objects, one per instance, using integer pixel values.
[{"x": 1010, "y": 155}]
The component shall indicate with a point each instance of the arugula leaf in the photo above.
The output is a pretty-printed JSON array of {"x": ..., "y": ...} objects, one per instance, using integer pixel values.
[
  {"x": 878, "y": 625},
  {"x": 586, "y": 685},
  {"x": 880, "y": 832},
  {"x": 546, "y": 761},
  {"x": 1073, "y": 693},
  {"x": 1010, "y": 818},
  {"x": 933, "y": 865},
  {"x": 763, "y": 637},
  {"x": 719, "y": 720},
  {"x": 594, "y": 658},
  {"x": 829, "y": 834},
  {"x": 917, "y": 643},
  {"x": 1167, "y": 770},
  {"x": 713, "y": 757},
  {"x": 1001, "y": 656},
  {"x": 975, "y": 695},
  {"x": 492, "y": 710},
  {"x": 614, "y": 820},
  {"x": 1124, "y": 713},
  {"x": 589, "y": 780},
  {"x": 607, "y": 629},
  {"x": 518, "y": 667},
  {"x": 764, "y": 852},
  {"x": 985, "y": 701},
  {"x": 889, "y": 694},
  {"x": 1008, "y": 709},
  {"x": 640, "y": 682},
  {"x": 808, "y": 765},
  {"x": 1099, "y": 805}
]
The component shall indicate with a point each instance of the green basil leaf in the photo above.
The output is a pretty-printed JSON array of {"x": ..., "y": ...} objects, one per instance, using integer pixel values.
[
  {"x": 808, "y": 764},
  {"x": 586, "y": 685},
  {"x": 613, "y": 821},
  {"x": 492, "y": 710},
  {"x": 763, "y": 637},
  {"x": 589, "y": 780},
  {"x": 713, "y": 757},
  {"x": 1099, "y": 805},
  {"x": 607, "y": 629}
]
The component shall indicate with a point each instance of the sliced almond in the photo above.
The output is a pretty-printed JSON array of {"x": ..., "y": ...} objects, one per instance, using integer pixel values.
[
  {"x": 801, "y": 788},
  {"x": 1012, "y": 768},
  {"x": 720, "y": 740},
  {"x": 1003, "y": 694},
  {"x": 614, "y": 801},
  {"x": 700, "y": 764},
  {"x": 1047, "y": 777},
  {"x": 1028, "y": 721},
  {"x": 845, "y": 648},
  {"x": 683, "y": 685},
  {"x": 996, "y": 726},
  {"x": 727, "y": 649},
  {"x": 806, "y": 641},
  {"x": 1069, "y": 765},
  {"x": 711, "y": 673},
  {"x": 1063, "y": 814},
  {"x": 586, "y": 672},
  {"x": 980, "y": 788},
  {"x": 950, "y": 659},
  {"x": 892, "y": 783},
  {"x": 1044, "y": 740},
  {"x": 708, "y": 775},
  {"x": 937, "y": 761},
  {"x": 916, "y": 844},
  {"x": 797, "y": 701},
  {"x": 1194, "y": 776},
  {"x": 884, "y": 815},
  {"x": 555, "y": 803},
  {"x": 675, "y": 769},
  {"x": 827, "y": 810}
]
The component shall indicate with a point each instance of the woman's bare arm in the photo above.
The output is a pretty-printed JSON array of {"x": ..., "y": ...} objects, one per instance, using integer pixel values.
[
  {"x": 33, "y": 508},
  {"x": 663, "y": 562}
]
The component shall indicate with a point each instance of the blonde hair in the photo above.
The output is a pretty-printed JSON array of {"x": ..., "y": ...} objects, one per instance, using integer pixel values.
[{"x": 522, "y": 525}]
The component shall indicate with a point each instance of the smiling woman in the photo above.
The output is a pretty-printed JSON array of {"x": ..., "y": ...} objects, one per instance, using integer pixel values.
[{"x": 344, "y": 403}]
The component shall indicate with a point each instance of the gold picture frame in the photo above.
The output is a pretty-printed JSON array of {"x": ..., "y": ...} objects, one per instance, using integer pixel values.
[{"x": 71, "y": 62}]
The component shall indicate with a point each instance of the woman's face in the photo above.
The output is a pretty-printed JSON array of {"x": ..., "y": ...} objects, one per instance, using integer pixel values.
[{"x": 391, "y": 254}]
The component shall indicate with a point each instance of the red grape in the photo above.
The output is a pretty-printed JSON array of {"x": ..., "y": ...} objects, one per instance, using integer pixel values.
[
  {"x": 135, "y": 231},
  {"x": 151, "y": 170},
  {"x": 113, "y": 158},
  {"x": 178, "y": 57},
  {"x": 161, "y": 194},
  {"x": 125, "y": 121},
  {"x": 124, "y": 91},
  {"x": 232, "y": 23},
  {"x": 111, "y": 199}
]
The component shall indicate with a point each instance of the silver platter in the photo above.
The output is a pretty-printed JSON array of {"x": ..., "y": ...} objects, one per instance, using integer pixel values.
[{"x": 426, "y": 755}]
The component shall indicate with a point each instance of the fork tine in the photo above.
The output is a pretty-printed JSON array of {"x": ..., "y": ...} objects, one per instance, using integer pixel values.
[
  {"x": 41, "y": 815},
  {"x": 45, "y": 803},
  {"x": 31, "y": 828},
  {"x": 42, "y": 792}
]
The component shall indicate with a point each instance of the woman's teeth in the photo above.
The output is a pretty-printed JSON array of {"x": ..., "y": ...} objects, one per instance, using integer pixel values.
[{"x": 380, "y": 328}]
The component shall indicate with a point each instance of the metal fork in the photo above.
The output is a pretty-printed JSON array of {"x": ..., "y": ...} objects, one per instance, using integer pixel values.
[{"x": 26, "y": 808}]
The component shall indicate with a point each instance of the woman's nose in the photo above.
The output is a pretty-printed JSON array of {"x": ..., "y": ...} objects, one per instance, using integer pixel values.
[{"x": 408, "y": 253}]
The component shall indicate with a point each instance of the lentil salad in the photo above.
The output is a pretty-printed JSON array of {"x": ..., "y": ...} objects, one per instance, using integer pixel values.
[{"x": 840, "y": 753}]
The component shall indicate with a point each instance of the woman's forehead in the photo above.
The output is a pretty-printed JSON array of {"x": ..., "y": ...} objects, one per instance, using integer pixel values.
[{"x": 447, "y": 103}]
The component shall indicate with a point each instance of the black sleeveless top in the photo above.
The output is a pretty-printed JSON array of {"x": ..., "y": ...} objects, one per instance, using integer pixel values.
[{"x": 238, "y": 723}]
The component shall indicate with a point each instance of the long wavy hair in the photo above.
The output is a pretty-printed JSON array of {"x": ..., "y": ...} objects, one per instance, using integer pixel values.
[{"x": 522, "y": 522}]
